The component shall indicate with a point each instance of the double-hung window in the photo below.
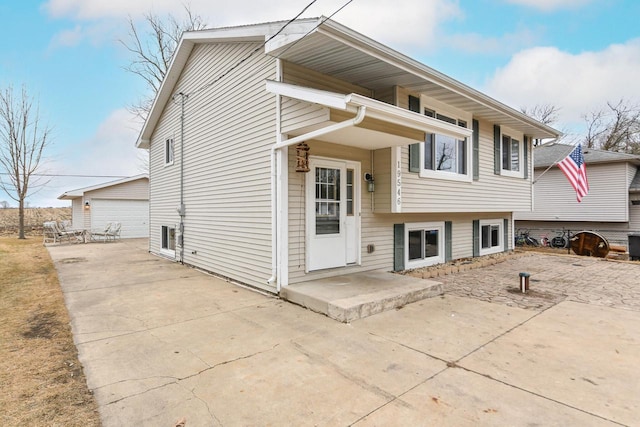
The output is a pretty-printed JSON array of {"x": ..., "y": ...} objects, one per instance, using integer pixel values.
[
  {"x": 511, "y": 154},
  {"x": 491, "y": 235},
  {"x": 444, "y": 156},
  {"x": 168, "y": 151}
]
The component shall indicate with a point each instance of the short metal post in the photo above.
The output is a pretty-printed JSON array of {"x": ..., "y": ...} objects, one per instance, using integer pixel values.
[{"x": 524, "y": 282}]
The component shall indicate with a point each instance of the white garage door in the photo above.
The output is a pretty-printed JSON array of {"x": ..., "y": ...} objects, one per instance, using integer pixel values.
[{"x": 132, "y": 214}]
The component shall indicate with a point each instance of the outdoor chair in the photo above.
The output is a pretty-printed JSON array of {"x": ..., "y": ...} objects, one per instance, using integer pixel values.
[
  {"x": 55, "y": 234},
  {"x": 114, "y": 231},
  {"x": 49, "y": 233},
  {"x": 101, "y": 235}
]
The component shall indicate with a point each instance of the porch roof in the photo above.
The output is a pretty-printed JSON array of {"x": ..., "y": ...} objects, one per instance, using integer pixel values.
[{"x": 364, "y": 135}]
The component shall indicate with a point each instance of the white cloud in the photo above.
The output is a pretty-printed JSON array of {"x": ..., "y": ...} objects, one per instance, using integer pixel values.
[
  {"x": 110, "y": 151},
  {"x": 506, "y": 44},
  {"x": 67, "y": 38},
  {"x": 576, "y": 83},
  {"x": 408, "y": 23},
  {"x": 550, "y": 5}
]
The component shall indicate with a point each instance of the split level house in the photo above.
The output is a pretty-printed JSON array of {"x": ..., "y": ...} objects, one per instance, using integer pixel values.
[
  {"x": 280, "y": 155},
  {"x": 612, "y": 207}
]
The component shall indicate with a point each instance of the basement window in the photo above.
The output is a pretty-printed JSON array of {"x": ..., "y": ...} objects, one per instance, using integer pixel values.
[{"x": 168, "y": 239}]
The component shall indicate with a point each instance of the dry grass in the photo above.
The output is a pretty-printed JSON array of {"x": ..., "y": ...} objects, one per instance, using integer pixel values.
[
  {"x": 33, "y": 219},
  {"x": 41, "y": 379}
]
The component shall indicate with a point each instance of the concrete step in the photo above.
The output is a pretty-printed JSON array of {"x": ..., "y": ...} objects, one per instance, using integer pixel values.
[{"x": 354, "y": 296}]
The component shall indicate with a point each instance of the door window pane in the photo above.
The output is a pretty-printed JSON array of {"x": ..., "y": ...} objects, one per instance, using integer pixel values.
[{"x": 327, "y": 201}]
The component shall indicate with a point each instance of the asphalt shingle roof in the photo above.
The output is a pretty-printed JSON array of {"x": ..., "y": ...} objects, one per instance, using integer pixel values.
[{"x": 547, "y": 154}]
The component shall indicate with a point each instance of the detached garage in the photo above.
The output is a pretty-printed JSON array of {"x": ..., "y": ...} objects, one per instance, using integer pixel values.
[{"x": 125, "y": 201}]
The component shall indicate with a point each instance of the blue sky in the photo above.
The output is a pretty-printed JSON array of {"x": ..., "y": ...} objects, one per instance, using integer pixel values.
[{"x": 574, "y": 54}]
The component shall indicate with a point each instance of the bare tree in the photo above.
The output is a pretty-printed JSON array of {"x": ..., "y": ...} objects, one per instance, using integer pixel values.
[
  {"x": 152, "y": 45},
  {"x": 4, "y": 204},
  {"x": 544, "y": 113},
  {"x": 616, "y": 128},
  {"x": 22, "y": 144}
]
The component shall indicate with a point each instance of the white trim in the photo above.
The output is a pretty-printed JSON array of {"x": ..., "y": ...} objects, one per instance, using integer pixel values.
[
  {"x": 518, "y": 136},
  {"x": 169, "y": 143},
  {"x": 80, "y": 191},
  {"x": 396, "y": 180},
  {"x": 500, "y": 246},
  {"x": 425, "y": 262},
  {"x": 374, "y": 109},
  {"x": 451, "y": 176}
]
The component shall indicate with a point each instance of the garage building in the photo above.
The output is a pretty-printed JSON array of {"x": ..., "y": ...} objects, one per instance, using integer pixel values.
[{"x": 125, "y": 201}]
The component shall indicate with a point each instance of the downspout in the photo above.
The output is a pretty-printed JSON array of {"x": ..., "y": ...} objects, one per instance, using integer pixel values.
[
  {"x": 181, "y": 208},
  {"x": 286, "y": 143}
]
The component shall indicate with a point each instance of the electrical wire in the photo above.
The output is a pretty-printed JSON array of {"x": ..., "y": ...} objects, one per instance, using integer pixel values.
[
  {"x": 71, "y": 175},
  {"x": 243, "y": 60}
]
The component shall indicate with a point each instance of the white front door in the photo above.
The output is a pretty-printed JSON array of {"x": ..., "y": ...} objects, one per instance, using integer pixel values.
[{"x": 332, "y": 213}]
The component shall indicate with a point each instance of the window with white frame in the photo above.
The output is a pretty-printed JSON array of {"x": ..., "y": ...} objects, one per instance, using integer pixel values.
[
  {"x": 168, "y": 238},
  {"x": 445, "y": 156},
  {"x": 511, "y": 155},
  {"x": 424, "y": 244},
  {"x": 168, "y": 151},
  {"x": 491, "y": 235}
]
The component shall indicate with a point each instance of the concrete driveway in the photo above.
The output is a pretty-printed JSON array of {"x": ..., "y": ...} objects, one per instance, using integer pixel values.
[{"x": 160, "y": 342}]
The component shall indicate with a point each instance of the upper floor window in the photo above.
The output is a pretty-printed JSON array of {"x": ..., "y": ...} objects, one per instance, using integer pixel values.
[
  {"x": 510, "y": 154},
  {"x": 168, "y": 151},
  {"x": 445, "y": 156}
]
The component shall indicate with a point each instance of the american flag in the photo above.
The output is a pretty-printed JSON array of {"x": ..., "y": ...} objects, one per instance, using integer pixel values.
[{"x": 575, "y": 170}]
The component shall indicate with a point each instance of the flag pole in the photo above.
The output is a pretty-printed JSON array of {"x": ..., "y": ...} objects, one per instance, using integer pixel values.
[{"x": 554, "y": 163}]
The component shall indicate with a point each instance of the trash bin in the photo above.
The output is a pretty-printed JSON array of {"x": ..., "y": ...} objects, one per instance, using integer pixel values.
[{"x": 634, "y": 247}]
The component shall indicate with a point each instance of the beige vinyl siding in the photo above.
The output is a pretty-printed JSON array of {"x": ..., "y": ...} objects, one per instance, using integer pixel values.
[
  {"x": 229, "y": 130},
  {"x": 132, "y": 190},
  {"x": 607, "y": 201},
  {"x": 631, "y": 173},
  {"x": 376, "y": 228},
  {"x": 491, "y": 193},
  {"x": 296, "y": 114},
  {"x": 301, "y": 76},
  {"x": 77, "y": 213}
]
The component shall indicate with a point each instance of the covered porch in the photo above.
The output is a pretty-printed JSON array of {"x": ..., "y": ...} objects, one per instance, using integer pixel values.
[{"x": 357, "y": 295}]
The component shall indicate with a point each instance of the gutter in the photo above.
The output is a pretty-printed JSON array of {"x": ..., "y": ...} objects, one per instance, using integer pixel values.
[{"x": 360, "y": 115}]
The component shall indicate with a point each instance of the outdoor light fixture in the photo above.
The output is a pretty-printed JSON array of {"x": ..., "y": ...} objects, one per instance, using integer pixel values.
[
  {"x": 302, "y": 157},
  {"x": 86, "y": 205},
  {"x": 370, "y": 184}
]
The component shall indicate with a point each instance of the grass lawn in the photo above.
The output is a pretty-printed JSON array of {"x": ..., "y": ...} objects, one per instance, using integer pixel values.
[{"x": 41, "y": 379}]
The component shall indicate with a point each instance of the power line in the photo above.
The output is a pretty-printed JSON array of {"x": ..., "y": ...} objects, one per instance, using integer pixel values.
[
  {"x": 257, "y": 49},
  {"x": 72, "y": 175}
]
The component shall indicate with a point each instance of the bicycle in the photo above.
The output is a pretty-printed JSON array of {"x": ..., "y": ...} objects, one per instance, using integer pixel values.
[
  {"x": 524, "y": 239},
  {"x": 562, "y": 239}
]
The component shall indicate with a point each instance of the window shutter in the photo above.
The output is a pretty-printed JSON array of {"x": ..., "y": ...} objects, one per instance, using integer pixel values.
[
  {"x": 476, "y": 238},
  {"x": 496, "y": 149},
  {"x": 414, "y": 149},
  {"x": 398, "y": 247},
  {"x": 448, "y": 250},
  {"x": 525, "y": 150},
  {"x": 414, "y": 157},
  {"x": 476, "y": 150},
  {"x": 506, "y": 234}
]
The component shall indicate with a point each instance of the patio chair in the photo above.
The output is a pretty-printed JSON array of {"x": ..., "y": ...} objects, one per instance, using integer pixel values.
[
  {"x": 114, "y": 231},
  {"x": 49, "y": 233},
  {"x": 101, "y": 235},
  {"x": 53, "y": 233}
]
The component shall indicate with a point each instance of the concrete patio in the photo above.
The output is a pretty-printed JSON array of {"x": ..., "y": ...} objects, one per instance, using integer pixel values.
[{"x": 160, "y": 342}]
